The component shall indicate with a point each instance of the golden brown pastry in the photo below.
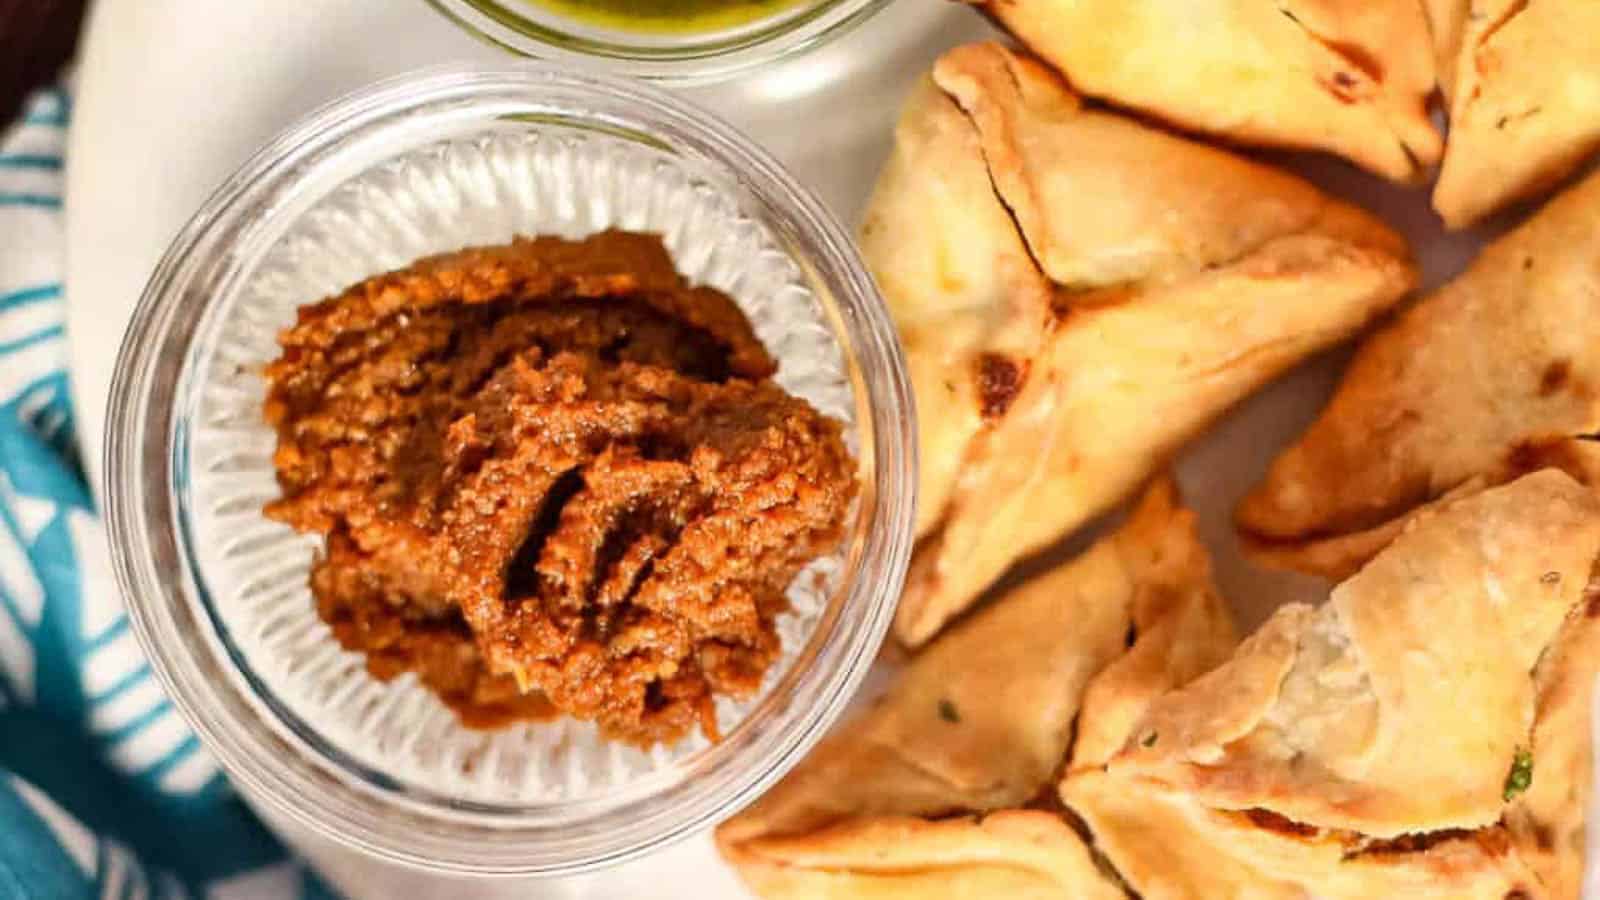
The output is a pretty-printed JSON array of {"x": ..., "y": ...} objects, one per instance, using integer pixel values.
[
  {"x": 1179, "y": 628},
  {"x": 1168, "y": 846},
  {"x": 1447, "y": 20},
  {"x": 1548, "y": 820},
  {"x": 1172, "y": 279},
  {"x": 1400, "y": 705},
  {"x": 1523, "y": 85},
  {"x": 1492, "y": 376},
  {"x": 978, "y": 722},
  {"x": 960, "y": 284},
  {"x": 1015, "y": 854},
  {"x": 977, "y": 726},
  {"x": 1399, "y": 742},
  {"x": 1351, "y": 77}
]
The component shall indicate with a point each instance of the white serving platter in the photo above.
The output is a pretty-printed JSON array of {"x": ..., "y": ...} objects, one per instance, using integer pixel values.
[{"x": 174, "y": 94}]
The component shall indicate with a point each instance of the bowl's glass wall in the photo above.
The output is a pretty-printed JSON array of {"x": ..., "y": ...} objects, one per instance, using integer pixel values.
[
  {"x": 530, "y": 29},
  {"x": 218, "y": 595}
]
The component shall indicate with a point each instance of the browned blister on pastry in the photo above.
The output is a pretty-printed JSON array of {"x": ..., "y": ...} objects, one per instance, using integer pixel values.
[
  {"x": 1424, "y": 734},
  {"x": 1080, "y": 294},
  {"x": 1351, "y": 77},
  {"x": 922, "y": 793},
  {"x": 1522, "y": 82},
  {"x": 1492, "y": 376}
]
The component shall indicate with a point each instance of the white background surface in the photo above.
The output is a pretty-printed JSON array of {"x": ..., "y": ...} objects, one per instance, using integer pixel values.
[{"x": 174, "y": 94}]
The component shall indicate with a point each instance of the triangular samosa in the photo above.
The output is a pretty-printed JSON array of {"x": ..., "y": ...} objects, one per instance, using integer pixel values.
[
  {"x": 1402, "y": 704},
  {"x": 1522, "y": 81},
  {"x": 923, "y": 795},
  {"x": 1290, "y": 771},
  {"x": 1490, "y": 377},
  {"x": 1351, "y": 77},
  {"x": 1172, "y": 279}
]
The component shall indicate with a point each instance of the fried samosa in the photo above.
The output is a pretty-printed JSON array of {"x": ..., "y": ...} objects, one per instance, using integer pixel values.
[
  {"x": 1016, "y": 854},
  {"x": 1351, "y": 77},
  {"x": 1168, "y": 846},
  {"x": 1493, "y": 376},
  {"x": 1425, "y": 734},
  {"x": 1399, "y": 706},
  {"x": 1522, "y": 81},
  {"x": 1079, "y": 294},
  {"x": 921, "y": 795}
]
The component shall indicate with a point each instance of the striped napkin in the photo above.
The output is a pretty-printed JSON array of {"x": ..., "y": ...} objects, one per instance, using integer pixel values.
[{"x": 104, "y": 792}]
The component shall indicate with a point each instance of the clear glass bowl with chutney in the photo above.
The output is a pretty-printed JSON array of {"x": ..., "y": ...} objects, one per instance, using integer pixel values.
[
  {"x": 678, "y": 40},
  {"x": 218, "y": 591}
]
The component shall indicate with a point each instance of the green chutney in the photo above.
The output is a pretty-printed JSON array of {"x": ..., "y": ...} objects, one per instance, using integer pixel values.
[{"x": 667, "y": 16}]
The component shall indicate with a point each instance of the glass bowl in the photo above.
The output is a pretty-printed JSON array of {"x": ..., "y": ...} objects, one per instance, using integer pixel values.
[
  {"x": 542, "y": 30},
  {"x": 218, "y": 596}
]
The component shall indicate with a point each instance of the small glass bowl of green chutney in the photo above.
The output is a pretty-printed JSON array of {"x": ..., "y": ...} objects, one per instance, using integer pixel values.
[{"x": 690, "y": 41}]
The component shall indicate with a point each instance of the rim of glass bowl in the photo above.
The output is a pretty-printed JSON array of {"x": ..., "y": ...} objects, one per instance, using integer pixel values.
[
  {"x": 294, "y": 772},
  {"x": 712, "y": 56}
]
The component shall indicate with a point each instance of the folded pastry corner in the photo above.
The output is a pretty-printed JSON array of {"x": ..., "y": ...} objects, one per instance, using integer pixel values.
[
  {"x": 977, "y": 722},
  {"x": 1165, "y": 845},
  {"x": 1488, "y": 378},
  {"x": 1424, "y": 734},
  {"x": 1021, "y": 854},
  {"x": 1447, "y": 21},
  {"x": 1523, "y": 86},
  {"x": 1177, "y": 278},
  {"x": 1180, "y": 625},
  {"x": 1548, "y": 820},
  {"x": 925, "y": 790},
  {"x": 1344, "y": 77},
  {"x": 966, "y": 297},
  {"x": 1103, "y": 199}
]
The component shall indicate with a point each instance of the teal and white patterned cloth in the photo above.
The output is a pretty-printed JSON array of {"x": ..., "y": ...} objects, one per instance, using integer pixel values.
[{"x": 104, "y": 792}]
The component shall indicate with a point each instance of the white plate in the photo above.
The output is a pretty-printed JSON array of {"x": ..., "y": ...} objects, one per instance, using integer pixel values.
[{"x": 174, "y": 94}]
